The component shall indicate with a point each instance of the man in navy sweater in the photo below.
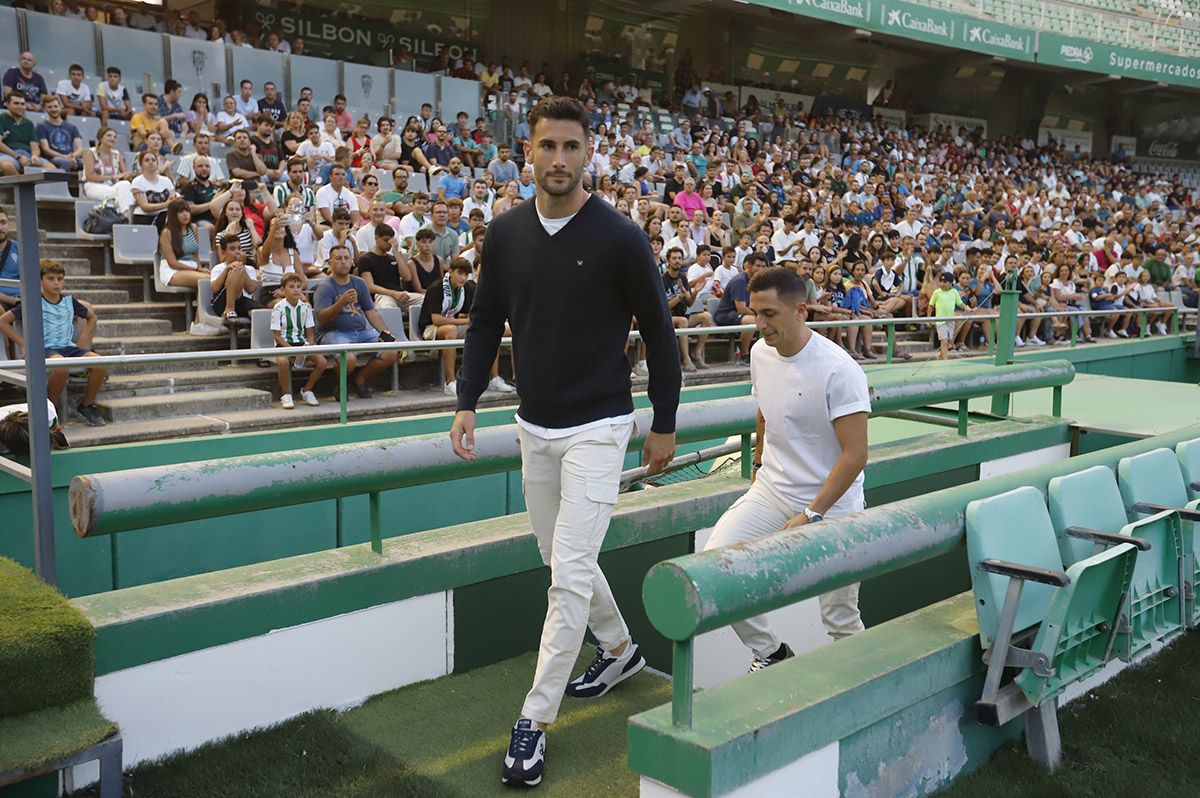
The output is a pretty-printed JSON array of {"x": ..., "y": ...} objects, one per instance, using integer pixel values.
[{"x": 540, "y": 260}]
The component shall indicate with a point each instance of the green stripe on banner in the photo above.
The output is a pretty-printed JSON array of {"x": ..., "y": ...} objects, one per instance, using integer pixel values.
[{"x": 1107, "y": 59}]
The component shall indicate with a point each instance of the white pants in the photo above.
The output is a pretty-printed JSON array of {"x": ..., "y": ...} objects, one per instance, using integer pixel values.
[
  {"x": 122, "y": 190},
  {"x": 761, "y": 511},
  {"x": 571, "y": 488}
]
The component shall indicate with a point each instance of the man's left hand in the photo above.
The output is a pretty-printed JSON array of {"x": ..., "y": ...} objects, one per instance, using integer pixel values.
[
  {"x": 799, "y": 520},
  {"x": 658, "y": 450}
]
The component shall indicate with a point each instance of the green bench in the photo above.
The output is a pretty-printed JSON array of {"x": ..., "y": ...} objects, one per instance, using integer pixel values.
[{"x": 49, "y": 719}]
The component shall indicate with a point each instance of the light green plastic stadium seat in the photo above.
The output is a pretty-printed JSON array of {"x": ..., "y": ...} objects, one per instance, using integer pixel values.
[
  {"x": 1088, "y": 515},
  {"x": 1188, "y": 453},
  {"x": 1021, "y": 592},
  {"x": 1152, "y": 482}
]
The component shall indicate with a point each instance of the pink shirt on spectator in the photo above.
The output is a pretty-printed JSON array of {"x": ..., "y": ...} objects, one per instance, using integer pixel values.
[
  {"x": 345, "y": 120},
  {"x": 691, "y": 202}
]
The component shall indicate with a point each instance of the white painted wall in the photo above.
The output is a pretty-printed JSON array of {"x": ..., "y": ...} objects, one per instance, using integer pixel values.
[
  {"x": 184, "y": 701},
  {"x": 1006, "y": 465},
  {"x": 814, "y": 775}
]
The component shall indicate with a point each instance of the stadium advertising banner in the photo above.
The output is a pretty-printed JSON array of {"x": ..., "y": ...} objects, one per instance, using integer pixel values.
[
  {"x": 1170, "y": 149},
  {"x": 922, "y": 23},
  {"x": 1107, "y": 59},
  {"x": 356, "y": 40}
]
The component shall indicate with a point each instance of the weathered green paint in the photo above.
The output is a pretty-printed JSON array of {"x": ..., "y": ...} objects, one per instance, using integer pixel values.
[
  {"x": 705, "y": 591},
  {"x": 154, "y": 621},
  {"x": 682, "y": 672},
  {"x": 1006, "y": 330},
  {"x": 756, "y": 724}
]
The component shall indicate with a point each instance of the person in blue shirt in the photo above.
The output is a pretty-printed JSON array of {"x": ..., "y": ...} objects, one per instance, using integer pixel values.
[
  {"x": 9, "y": 264},
  {"x": 734, "y": 307},
  {"x": 452, "y": 183},
  {"x": 59, "y": 140}
]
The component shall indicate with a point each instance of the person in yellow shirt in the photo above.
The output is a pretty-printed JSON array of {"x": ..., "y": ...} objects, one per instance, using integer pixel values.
[
  {"x": 490, "y": 78},
  {"x": 147, "y": 121},
  {"x": 944, "y": 301}
]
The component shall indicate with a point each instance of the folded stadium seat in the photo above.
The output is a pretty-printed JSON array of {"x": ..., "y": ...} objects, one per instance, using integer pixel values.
[
  {"x": 56, "y": 191},
  {"x": 417, "y": 182},
  {"x": 82, "y": 208},
  {"x": 163, "y": 288},
  {"x": 88, "y": 127},
  {"x": 1188, "y": 453},
  {"x": 1152, "y": 482},
  {"x": 386, "y": 181},
  {"x": 1054, "y": 628},
  {"x": 136, "y": 245},
  {"x": 204, "y": 297},
  {"x": 394, "y": 319},
  {"x": 1088, "y": 516}
]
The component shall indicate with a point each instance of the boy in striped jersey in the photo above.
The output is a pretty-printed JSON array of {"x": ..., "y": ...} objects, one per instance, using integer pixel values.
[
  {"x": 59, "y": 312},
  {"x": 293, "y": 323}
]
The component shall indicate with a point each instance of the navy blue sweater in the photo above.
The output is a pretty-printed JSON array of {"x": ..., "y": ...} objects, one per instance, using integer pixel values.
[{"x": 569, "y": 299}]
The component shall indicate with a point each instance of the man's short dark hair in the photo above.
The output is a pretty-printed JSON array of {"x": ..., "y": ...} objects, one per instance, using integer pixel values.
[
  {"x": 757, "y": 257},
  {"x": 564, "y": 108},
  {"x": 786, "y": 284},
  {"x": 425, "y": 234},
  {"x": 112, "y": 70},
  {"x": 384, "y": 231},
  {"x": 168, "y": 87},
  {"x": 74, "y": 67},
  {"x": 460, "y": 265},
  {"x": 341, "y": 215}
]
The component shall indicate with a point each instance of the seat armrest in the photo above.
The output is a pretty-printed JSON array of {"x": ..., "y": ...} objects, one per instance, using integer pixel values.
[
  {"x": 1107, "y": 538},
  {"x": 1149, "y": 507},
  {"x": 1015, "y": 570},
  {"x": 1194, "y": 485}
]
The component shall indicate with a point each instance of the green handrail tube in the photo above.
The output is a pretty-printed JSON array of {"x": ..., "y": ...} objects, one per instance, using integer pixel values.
[
  {"x": 696, "y": 593},
  {"x": 119, "y": 501}
]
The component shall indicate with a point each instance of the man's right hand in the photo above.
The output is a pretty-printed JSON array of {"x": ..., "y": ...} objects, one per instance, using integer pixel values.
[
  {"x": 348, "y": 297},
  {"x": 462, "y": 434}
]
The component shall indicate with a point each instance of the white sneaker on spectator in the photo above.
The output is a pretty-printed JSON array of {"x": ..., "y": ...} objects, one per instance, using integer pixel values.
[
  {"x": 1122, "y": 333},
  {"x": 286, "y": 401},
  {"x": 497, "y": 383},
  {"x": 1035, "y": 341},
  {"x": 309, "y": 398},
  {"x": 1110, "y": 334},
  {"x": 450, "y": 389},
  {"x": 1019, "y": 342},
  {"x": 201, "y": 329},
  {"x": 1161, "y": 327}
]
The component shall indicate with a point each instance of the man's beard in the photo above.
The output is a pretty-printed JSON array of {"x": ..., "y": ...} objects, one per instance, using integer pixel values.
[{"x": 542, "y": 183}]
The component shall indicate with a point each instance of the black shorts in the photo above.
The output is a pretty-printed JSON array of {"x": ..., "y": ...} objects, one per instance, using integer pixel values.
[
  {"x": 242, "y": 305},
  {"x": 729, "y": 319},
  {"x": 67, "y": 351}
]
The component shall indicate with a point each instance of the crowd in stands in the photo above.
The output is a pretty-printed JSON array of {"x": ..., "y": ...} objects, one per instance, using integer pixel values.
[{"x": 303, "y": 199}]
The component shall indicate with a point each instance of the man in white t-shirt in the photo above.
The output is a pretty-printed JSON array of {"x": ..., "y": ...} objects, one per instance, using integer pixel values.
[
  {"x": 787, "y": 242},
  {"x": 812, "y": 445},
  {"x": 336, "y": 195}
]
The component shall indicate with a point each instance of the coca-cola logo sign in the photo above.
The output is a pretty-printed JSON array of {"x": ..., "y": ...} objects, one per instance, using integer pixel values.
[{"x": 1163, "y": 149}]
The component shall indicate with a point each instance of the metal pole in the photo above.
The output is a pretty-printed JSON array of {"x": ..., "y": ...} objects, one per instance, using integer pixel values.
[
  {"x": 1006, "y": 332},
  {"x": 682, "y": 671},
  {"x": 23, "y": 188}
]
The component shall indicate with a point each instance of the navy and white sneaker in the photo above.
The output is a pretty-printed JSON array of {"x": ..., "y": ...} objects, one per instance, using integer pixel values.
[
  {"x": 606, "y": 672},
  {"x": 781, "y": 653},
  {"x": 526, "y": 757}
]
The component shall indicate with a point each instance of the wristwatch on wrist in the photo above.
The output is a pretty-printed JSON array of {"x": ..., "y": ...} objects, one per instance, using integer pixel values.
[{"x": 812, "y": 515}]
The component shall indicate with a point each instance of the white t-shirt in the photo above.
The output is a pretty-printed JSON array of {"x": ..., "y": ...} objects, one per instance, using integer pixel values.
[
  {"x": 82, "y": 95},
  {"x": 240, "y": 120},
  {"x": 220, "y": 268},
  {"x": 800, "y": 397},
  {"x": 722, "y": 275},
  {"x": 331, "y": 199},
  {"x": 551, "y": 227},
  {"x": 781, "y": 240},
  {"x": 8, "y": 410},
  {"x": 470, "y": 204},
  {"x": 695, "y": 271}
]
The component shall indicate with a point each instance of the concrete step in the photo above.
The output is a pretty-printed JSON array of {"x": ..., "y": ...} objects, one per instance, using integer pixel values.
[
  {"x": 80, "y": 435},
  {"x": 145, "y": 344},
  {"x": 131, "y": 286},
  {"x": 190, "y": 403},
  {"x": 74, "y": 248},
  {"x": 120, "y": 327},
  {"x": 121, "y": 386},
  {"x": 100, "y": 297},
  {"x": 169, "y": 310}
]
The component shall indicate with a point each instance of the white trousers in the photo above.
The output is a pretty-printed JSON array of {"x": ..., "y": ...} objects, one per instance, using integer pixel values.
[
  {"x": 571, "y": 487},
  {"x": 762, "y": 511}
]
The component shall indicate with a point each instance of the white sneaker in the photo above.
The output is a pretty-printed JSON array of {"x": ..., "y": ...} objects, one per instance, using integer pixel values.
[
  {"x": 201, "y": 329},
  {"x": 1122, "y": 333},
  {"x": 497, "y": 383},
  {"x": 1035, "y": 341},
  {"x": 1110, "y": 334},
  {"x": 1162, "y": 328},
  {"x": 450, "y": 389},
  {"x": 286, "y": 401},
  {"x": 1019, "y": 342},
  {"x": 309, "y": 398}
]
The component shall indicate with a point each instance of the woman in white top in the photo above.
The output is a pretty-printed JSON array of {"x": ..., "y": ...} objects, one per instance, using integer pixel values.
[
  {"x": 511, "y": 192},
  {"x": 151, "y": 191},
  {"x": 276, "y": 257},
  {"x": 329, "y": 131},
  {"x": 1067, "y": 293},
  {"x": 104, "y": 171},
  {"x": 179, "y": 247},
  {"x": 303, "y": 234},
  {"x": 200, "y": 117}
]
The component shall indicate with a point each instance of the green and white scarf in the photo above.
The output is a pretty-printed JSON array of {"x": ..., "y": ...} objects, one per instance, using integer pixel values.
[{"x": 452, "y": 298}]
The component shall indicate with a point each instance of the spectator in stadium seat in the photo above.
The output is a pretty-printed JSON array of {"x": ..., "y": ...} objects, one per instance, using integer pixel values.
[
  {"x": 330, "y": 133},
  {"x": 452, "y": 183},
  {"x": 445, "y": 315},
  {"x": 10, "y": 264},
  {"x": 74, "y": 94},
  {"x": 59, "y": 312},
  {"x": 375, "y": 214},
  {"x": 502, "y": 167},
  {"x": 386, "y": 145},
  {"x": 294, "y": 324},
  {"x": 340, "y": 234},
  {"x": 267, "y": 148},
  {"x": 202, "y": 194},
  {"x": 147, "y": 121},
  {"x": 185, "y": 166},
  {"x": 480, "y": 198},
  {"x": 229, "y": 120},
  {"x": 152, "y": 191},
  {"x": 689, "y": 199},
  {"x": 278, "y": 257},
  {"x": 23, "y": 80},
  {"x": 344, "y": 119},
  {"x": 445, "y": 242},
  {"x": 336, "y": 195},
  {"x": 386, "y": 275},
  {"x": 19, "y": 147},
  {"x": 113, "y": 98},
  {"x": 234, "y": 283},
  {"x": 272, "y": 104},
  {"x": 243, "y": 162},
  {"x": 413, "y": 156},
  {"x": 317, "y": 153},
  {"x": 346, "y": 314},
  {"x": 200, "y": 118},
  {"x": 294, "y": 133},
  {"x": 179, "y": 248},
  {"x": 441, "y": 149},
  {"x": 170, "y": 109},
  {"x": 294, "y": 184},
  {"x": 59, "y": 140},
  {"x": 104, "y": 173},
  {"x": 232, "y": 222}
]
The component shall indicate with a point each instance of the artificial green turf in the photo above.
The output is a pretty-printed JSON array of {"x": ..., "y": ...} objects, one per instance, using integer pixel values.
[
  {"x": 441, "y": 738},
  {"x": 30, "y": 742},
  {"x": 1134, "y": 736},
  {"x": 46, "y": 654}
]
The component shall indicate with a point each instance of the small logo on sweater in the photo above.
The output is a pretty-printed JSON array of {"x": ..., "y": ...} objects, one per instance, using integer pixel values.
[{"x": 579, "y": 263}]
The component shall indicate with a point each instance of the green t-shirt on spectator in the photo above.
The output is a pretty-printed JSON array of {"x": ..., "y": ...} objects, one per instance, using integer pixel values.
[
  {"x": 1160, "y": 273},
  {"x": 945, "y": 301},
  {"x": 17, "y": 135},
  {"x": 392, "y": 197}
]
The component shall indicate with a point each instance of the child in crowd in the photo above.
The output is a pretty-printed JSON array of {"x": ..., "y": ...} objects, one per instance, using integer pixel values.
[
  {"x": 14, "y": 429},
  {"x": 1103, "y": 298},
  {"x": 944, "y": 302},
  {"x": 293, "y": 324},
  {"x": 59, "y": 312}
]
